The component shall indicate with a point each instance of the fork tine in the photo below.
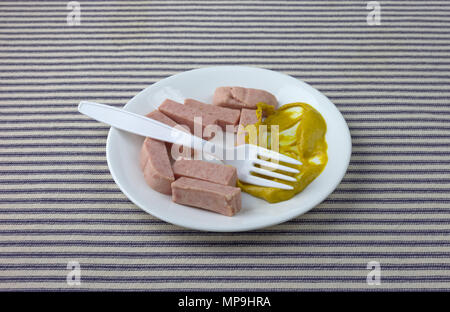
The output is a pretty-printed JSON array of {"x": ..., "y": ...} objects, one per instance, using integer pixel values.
[
  {"x": 264, "y": 152},
  {"x": 275, "y": 166},
  {"x": 264, "y": 182},
  {"x": 273, "y": 174}
]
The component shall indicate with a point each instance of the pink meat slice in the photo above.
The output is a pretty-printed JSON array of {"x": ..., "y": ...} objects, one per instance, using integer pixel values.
[
  {"x": 248, "y": 117},
  {"x": 155, "y": 163},
  {"x": 207, "y": 171},
  {"x": 184, "y": 115},
  {"x": 175, "y": 148},
  {"x": 214, "y": 197},
  {"x": 158, "y": 116},
  {"x": 225, "y": 116},
  {"x": 239, "y": 97}
]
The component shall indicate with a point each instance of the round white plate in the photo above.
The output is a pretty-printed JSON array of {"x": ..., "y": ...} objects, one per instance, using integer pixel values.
[{"x": 122, "y": 149}]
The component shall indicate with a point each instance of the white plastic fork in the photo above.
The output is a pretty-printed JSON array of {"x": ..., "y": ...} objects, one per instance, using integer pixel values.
[{"x": 141, "y": 125}]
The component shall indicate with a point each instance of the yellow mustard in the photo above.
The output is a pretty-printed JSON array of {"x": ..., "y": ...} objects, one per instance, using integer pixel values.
[{"x": 301, "y": 135}]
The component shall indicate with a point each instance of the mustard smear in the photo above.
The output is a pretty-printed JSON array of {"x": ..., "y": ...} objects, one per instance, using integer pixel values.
[{"x": 301, "y": 136}]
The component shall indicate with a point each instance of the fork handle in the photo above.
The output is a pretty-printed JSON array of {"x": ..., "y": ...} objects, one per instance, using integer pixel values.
[{"x": 141, "y": 125}]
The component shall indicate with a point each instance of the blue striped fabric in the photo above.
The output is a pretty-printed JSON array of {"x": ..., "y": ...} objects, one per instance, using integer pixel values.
[{"x": 58, "y": 202}]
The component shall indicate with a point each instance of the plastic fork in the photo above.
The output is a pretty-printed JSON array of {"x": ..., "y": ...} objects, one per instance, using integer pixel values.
[{"x": 253, "y": 161}]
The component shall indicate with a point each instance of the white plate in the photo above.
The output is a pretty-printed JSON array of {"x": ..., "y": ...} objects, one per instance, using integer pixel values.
[{"x": 122, "y": 149}]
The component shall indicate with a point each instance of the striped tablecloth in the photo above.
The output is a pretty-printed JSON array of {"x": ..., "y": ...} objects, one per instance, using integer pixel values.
[{"x": 59, "y": 204}]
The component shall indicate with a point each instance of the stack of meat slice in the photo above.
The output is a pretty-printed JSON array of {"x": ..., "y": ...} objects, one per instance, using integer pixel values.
[
  {"x": 206, "y": 185},
  {"x": 199, "y": 183}
]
